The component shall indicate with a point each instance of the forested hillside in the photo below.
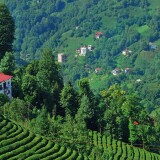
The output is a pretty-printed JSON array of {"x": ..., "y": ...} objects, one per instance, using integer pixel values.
[
  {"x": 65, "y": 25},
  {"x": 108, "y": 83}
]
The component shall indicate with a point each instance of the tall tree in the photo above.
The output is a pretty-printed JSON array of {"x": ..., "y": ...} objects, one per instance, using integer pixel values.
[
  {"x": 49, "y": 81},
  {"x": 69, "y": 99},
  {"x": 7, "y": 63},
  {"x": 7, "y": 29},
  {"x": 88, "y": 104}
]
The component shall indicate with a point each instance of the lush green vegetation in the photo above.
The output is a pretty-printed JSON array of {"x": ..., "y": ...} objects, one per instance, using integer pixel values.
[
  {"x": 56, "y": 100},
  {"x": 20, "y": 143},
  {"x": 64, "y": 26}
]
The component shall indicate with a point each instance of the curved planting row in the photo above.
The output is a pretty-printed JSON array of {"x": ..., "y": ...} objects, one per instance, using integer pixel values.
[
  {"x": 116, "y": 150},
  {"x": 19, "y": 143}
]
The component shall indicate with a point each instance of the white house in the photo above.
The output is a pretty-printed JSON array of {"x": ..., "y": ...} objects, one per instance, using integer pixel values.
[
  {"x": 126, "y": 52},
  {"x": 5, "y": 85},
  {"x": 83, "y": 51},
  {"x": 61, "y": 57},
  {"x": 116, "y": 71},
  {"x": 90, "y": 47}
]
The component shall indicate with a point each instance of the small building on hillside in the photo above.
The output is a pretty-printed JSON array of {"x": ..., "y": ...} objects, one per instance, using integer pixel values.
[
  {"x": 5, "y": 85},
  {"x": 98, "y": 35},
  {"x": 152, "y": 46},
  {"x": 90, "y": 48},
  {"x": 126, "y": 52},
  {"x": 61, "y": 57},
  {"x": 83, "y": 51},
  {"x": 98, "y": 70},
  {"x": 116, "y": 71},
  {"x": 138, "y": 80},
  {"x": 127, "y": 70}
]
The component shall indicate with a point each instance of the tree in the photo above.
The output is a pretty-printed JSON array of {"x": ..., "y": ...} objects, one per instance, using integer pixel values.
[
  {"x": 7, "y": 29},
  {"x": 18, "y": 110},
  {"x": 132, "y": 107},
  {"x": 113, "y": 117},
  {"x": 40, "y": 124},
  {"x": 69, "y": 99},
  {"x": 88, "y": 104},
  {"x": 29, "y": 88},
  {"x": 3, "y": 99},
  {"x": 49, "y": 81},
  {"x": 7, "y": 64}
]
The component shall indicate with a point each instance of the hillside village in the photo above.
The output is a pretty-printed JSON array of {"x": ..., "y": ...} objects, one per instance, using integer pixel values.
[{"x": 79, "y": 80}]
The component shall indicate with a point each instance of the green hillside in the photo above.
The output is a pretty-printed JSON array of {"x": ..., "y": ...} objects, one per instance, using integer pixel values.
[
  {"x": 110, "y": 78},
  {"x": 117, "y": 150},
  {"x": 17, "y": 142}
]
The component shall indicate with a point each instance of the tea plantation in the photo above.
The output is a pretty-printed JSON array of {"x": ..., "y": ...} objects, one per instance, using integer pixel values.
[{"x": 17, "y": 143}]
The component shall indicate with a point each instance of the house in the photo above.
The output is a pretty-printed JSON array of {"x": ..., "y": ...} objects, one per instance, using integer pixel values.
[
  {"x": 136, "y": 123},
  {"x": 5, "y": 85},
  {"x": 98, "y": 35},
  {"x": 97, "y": 70},
  {"x": 83, "y": 51},
  {"x": 126, "y": 52},
  {"x": 116, "y": 71},
  {"x": 127, "y": 70},
  {"x": 152, "y": 46},
  {"x": 61, "y": 57},
  {"x": 90, "y": 48},
  {"x": 138, "y": 80}
]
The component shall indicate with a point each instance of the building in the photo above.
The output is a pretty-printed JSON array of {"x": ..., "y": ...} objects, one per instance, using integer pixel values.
[
  {"x": 152, "y": 46},
  {"x": 90, "y": 48},
  {"x": 5, "y": 85},
  {"x": 98, "y": 35},
  {"x": 127, "y": 70},
  {"x": 116, "y": 71},
  {"x": 83, "y": 51},
  {"x": 97, "y": 70},
  {"x": 126, "y": 52},
  {"x": 61, "y": 57}
]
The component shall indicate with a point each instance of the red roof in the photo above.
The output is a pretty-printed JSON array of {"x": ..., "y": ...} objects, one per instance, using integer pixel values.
[
  {"x": 99, "y": 33},
  {"x": 4, "y": 77},
  {"x": 98, "y": 69},
  {"x": 135, "y": 123}
]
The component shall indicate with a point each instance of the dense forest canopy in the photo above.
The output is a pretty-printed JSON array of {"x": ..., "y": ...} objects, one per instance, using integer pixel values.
[
  {"x": 63, "y": 26},
  {"x": 113, "y": 89}
]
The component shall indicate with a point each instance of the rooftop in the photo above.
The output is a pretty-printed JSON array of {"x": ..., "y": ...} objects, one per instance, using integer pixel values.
[{"x": 4, "y": 77}]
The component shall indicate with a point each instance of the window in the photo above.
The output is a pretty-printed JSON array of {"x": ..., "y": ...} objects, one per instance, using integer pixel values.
[{"x": 1, "y": 87}]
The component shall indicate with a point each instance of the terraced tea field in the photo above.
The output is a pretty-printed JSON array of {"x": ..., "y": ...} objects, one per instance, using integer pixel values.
[
  {"x": 117, "y": 150},
  {"x": 17, "y": 143}
]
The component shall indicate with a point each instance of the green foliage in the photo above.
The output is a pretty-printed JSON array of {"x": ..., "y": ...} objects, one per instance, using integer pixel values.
[
  {"x": 17, "y": 110},
  {"x": 69, "y": 99},
  {"x": 66, "y": 26},
  {"x": 7, "y": 63},
  {"x": 3, "y": 99},
  {"x": 6, "y": 30},
  {"x": 40, "y": 124},
  {"x": 20, "y": 143},
  {"x": 49, "y": 81}
]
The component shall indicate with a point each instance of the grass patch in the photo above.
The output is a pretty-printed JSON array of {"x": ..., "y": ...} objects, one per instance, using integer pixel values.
[
  {"x": 97, "y": 82},
  {"x": 70, "y": 44},
  {"x": 154, "y": 3},
  {"x": 143, "y": 29}
]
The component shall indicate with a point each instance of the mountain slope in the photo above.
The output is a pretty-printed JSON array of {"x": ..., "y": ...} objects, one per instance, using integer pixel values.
[
  {"x": 17, "y": 142},
  {"x": 66, "y": 25}
]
